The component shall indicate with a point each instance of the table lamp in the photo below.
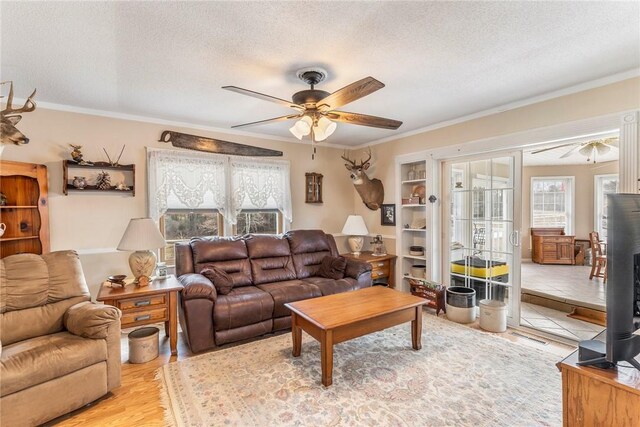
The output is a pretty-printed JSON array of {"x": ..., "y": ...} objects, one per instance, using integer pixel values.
[
  {"x": 355, "y": 228},
  {"x": 143, "y": 237}
]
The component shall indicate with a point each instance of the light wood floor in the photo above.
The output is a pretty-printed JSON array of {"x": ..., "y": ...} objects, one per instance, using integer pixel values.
[{"x": 137, "y": 401}]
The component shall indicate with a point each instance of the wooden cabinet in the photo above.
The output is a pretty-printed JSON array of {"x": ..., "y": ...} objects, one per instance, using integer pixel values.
[
  {"x": 599, "y": 397},
  {"x": 141, "y": 306},
  {"x": 383, "y": 267},
  {"x": 551, "y": 246},
  {"x": 26, "y": 213},
  {"x": 313, "y": 187}
]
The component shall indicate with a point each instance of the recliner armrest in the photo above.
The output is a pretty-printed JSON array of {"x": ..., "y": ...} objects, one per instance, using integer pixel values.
[
  {"x": 356, "y": 267},
  {"x": 197, "y": 286},
  {"x": 89, "y": 320}
]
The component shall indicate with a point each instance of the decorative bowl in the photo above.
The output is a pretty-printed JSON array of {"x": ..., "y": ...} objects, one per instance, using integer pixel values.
[{"x": 117, "y": 279}]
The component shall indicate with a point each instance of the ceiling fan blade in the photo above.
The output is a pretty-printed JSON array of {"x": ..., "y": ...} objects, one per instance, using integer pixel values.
[
  {"x": 274, "y": 120},
  {"x": 364, "y": 120},
  {"x": 553, "y": 148},
  {"x": 264, "y": 97},
  {"x": 350, "y": 93},
  {"x": 570, "y": 152}
]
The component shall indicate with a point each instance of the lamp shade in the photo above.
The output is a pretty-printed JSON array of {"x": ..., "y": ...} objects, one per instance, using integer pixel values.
[
  {"x": 355, "y": 226},
  {"x": 142, "y": 234},
  {"x": 302, "y": 127},
  {"x": 324, "y": 129}
]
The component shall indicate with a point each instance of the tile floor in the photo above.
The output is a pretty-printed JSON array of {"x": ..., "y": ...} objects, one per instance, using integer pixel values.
[
  {"x": 564, "y": 282},
  {"x": 557, "y": 322}
]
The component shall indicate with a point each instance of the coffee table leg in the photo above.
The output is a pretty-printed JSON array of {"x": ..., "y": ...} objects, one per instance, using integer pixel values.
[
  {"x": 296, "y": 334},
  {"x": 416, "y": 329},
  {"x": 326, "y": 357}
]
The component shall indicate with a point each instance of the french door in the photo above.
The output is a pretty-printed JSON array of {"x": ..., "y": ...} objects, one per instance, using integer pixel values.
[{"x": 481, "y": 223}]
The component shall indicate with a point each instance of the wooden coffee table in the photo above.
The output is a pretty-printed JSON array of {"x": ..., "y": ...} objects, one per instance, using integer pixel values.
[{"x": 341, "y": 317}]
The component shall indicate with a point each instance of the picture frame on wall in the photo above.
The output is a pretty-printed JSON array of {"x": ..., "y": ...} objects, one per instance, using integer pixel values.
[{"x": 388, "y": 214}]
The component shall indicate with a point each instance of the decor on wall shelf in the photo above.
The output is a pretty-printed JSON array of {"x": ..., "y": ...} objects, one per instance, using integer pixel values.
[
  {"x": 77, "y": 156},
  {"x": 9, "y": 118},
  {"x": 218, "y": 146},
  {"x": 26, "y": 212},
  {"x": 3, "y": 199},
  {"x": 111, "y": 162},
  {"x": 316, "y": 110},
  {"x": 142, "y": 236},
  {"x": 371, "y": 191},
  {"x": 388, "y": 214},
  {"x": 313, "y": 187},
  {"x": 102, "y": 178},
  {"x": 355, "y": 228}
]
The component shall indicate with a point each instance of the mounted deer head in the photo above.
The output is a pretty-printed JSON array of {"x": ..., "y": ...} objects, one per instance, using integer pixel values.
[
  {"x": 9, "y": 134},
  {"x": 371, "y": 191}
]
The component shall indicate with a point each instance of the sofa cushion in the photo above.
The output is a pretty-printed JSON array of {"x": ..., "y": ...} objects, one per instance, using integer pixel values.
[
  {"x": 331, "y": 286},
  {"x": 242, "y": 306},
  {"x": 332, "y": 267},
  {"x": 270, "y": 259},
  {"x": 308, "y": 249},
  {"x": 289, "y": 291},
  {"x": 38, "y": 360},
  {"x": 227, "y": 253},
  {"x": 222, "y": 280}
]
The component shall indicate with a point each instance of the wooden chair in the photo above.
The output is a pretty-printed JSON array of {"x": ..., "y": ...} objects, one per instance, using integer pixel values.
[{"x": 598, "y": 258}]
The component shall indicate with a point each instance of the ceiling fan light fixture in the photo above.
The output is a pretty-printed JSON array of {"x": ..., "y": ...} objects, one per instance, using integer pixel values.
[
  {"x": 324, "y": 128},
  {"x": 302, "y": 127}
]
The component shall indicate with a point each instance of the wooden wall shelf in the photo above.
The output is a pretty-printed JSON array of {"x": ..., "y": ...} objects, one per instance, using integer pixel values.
[{"x": 128, "y": 170}]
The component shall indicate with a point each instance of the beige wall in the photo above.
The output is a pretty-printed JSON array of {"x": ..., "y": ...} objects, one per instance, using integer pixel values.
[
  {"x": 583, "y": 196},
  {"x": 613, "y": 98},
  {"x": 93, "y": 223}
]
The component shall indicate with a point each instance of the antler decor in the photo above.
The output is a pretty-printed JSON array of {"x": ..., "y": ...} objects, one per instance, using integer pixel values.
[
  {"x": 370, "y": 190},
  {"x": 10, "y": 117}
]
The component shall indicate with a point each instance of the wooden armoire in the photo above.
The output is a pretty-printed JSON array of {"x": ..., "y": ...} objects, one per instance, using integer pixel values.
[{"x": 25, "y": 211}]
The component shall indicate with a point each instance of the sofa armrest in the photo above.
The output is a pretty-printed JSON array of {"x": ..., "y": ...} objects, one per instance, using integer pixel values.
[
  {"x": 89, "y": 320},
  {"x": 197, "y": 286},
  {"x": 356, "y": 268}
]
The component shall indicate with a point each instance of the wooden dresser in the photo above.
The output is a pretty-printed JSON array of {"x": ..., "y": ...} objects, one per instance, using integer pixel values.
[
  {"x": 549, "y": 245},
  {"x": 599, "y": 397},
  {"x": 383, "y": 268}
]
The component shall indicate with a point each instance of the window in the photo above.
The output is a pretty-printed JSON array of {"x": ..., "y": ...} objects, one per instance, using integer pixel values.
[
  {"x": 180, "y": 225},
  {"x": 604, "y": 184},
  {"x": 552, "y": 202},
  {"x": 259, "y": 222}
]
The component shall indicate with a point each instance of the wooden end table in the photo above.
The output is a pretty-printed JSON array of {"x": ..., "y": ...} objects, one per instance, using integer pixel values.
[
  {"x": 336, "y": 318},
  {"x": 140, "y": 306}
]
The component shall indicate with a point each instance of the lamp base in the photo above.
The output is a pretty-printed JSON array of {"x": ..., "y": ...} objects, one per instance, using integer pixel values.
[
  {"x": 355, "y": 244},
  {"x": 142, "y": 264}
]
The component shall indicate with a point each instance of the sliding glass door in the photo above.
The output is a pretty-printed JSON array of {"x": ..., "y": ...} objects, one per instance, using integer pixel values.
[{"x": 481, "y": 223}]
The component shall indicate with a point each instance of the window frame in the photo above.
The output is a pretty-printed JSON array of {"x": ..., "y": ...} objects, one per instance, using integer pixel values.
[
  {"x": 569, "y": 207},
  {"x": 597, "y": 199}
]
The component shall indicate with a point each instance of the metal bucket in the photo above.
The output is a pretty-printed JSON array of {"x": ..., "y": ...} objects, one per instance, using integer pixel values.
[{"x": 143, "y": 345}]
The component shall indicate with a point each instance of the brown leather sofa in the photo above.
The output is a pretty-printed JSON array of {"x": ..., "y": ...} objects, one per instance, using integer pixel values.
[
  {"x": 59, "y": 351},
  {"x": 267, "y": 272}
]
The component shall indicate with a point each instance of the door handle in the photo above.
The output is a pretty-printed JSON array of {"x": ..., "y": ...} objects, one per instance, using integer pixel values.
[{"x": 514, "y": 238}]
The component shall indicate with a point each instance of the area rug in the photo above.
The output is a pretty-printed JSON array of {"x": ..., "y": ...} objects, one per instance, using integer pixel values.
[{"x": 461, "y": 377}]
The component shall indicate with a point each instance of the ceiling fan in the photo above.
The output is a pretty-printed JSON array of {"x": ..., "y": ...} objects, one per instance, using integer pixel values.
[
  {"x": 590, "y": 149},
  {"x": 316, "y": 109}
]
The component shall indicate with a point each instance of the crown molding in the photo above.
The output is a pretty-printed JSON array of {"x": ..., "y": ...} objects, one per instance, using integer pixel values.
[
  {"x": 614, "y": 78},
  {"x": 154, "y": 120}
]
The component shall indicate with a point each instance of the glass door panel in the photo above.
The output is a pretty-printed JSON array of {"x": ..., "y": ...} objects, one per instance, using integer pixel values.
[{"x": 482, "y": 234}]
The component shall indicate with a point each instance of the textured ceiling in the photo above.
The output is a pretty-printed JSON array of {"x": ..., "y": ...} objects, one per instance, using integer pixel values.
[
  {"x": 552, "y": 157},
  {"x": 439, "y": 60}
]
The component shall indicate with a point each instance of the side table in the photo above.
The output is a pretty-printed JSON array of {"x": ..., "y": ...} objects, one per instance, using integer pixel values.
[
  {"x": 382, "y": 267},
  {"x": 140, "y": 306}
]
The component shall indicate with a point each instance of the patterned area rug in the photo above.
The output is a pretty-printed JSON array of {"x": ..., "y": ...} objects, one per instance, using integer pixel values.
[{"x": 461, "y": 377}]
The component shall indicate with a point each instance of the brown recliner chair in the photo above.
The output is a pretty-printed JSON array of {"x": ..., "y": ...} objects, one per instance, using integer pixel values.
[
  {"x": 267, "y": 273},
  {"x": 59, "y": 351}
]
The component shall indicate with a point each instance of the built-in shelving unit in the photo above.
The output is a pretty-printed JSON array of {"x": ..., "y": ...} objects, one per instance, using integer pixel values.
[{"x": 25, "y": 214}]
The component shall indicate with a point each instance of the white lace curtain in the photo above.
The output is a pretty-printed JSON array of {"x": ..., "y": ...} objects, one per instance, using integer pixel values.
[
  {"x": 183, "y": 180},
  {"x": 260, "y": 184}
]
